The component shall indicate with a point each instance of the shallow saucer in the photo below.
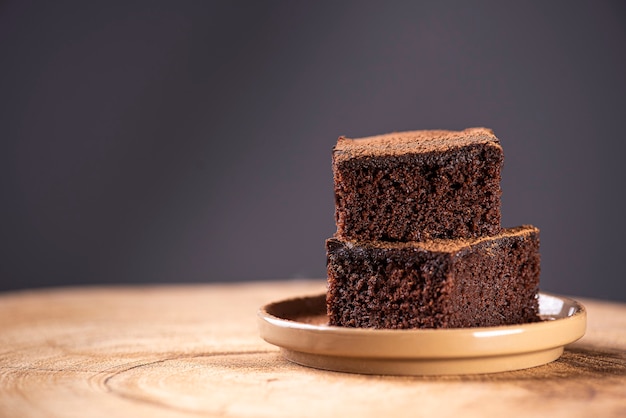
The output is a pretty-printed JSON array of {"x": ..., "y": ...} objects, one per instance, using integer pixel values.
[{"x": 300, "y": 328}]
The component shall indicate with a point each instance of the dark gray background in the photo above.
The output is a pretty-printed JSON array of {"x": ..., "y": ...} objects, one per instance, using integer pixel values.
[{"x": 171, "y": 141}]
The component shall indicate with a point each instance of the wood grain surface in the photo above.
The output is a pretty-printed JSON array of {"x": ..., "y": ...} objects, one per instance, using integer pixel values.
[{"x": 194, "y": 351}]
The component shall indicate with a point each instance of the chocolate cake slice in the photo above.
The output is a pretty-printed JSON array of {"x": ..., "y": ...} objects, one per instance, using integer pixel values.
[
  {"x": 418, "y": 185},
  {"x": 487, "y": 281}
]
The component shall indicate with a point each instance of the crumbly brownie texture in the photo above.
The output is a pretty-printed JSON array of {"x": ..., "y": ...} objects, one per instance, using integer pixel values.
[
  {"x": 419, "y": 185},
  {"x": 487, "y": 281}
]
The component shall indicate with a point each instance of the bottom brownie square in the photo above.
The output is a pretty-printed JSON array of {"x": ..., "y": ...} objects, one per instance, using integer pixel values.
[{"x": 479, "y": 282}]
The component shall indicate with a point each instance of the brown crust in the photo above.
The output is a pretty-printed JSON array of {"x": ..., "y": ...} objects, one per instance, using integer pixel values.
[
  {"x": 417, "y": 142},
  {"x": 446, "y": 245}
]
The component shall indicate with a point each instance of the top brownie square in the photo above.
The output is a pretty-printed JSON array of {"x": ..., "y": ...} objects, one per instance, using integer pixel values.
[{"x": 418, "y": 185}]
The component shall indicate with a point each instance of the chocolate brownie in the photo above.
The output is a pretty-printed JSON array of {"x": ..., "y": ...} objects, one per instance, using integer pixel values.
[
  {"x": 485, "y": 281},
  {"x": 418, "y": 185}
]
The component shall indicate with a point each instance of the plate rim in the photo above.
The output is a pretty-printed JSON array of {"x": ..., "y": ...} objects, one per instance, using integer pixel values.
[{"x": 422, "y": 344}]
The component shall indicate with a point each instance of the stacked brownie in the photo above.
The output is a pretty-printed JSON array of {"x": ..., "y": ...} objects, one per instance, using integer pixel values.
[{"x": 419, "y": 242}]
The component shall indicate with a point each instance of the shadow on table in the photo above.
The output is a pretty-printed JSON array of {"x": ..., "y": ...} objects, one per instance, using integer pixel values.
[{"x": 577, "y": 362}]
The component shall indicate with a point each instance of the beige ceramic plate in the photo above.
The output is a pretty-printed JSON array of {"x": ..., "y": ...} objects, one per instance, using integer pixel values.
[{"x": 299, "y": 327}]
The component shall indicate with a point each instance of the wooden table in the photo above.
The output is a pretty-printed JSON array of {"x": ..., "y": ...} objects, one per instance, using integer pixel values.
[{"x": 185, "y": 351}]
